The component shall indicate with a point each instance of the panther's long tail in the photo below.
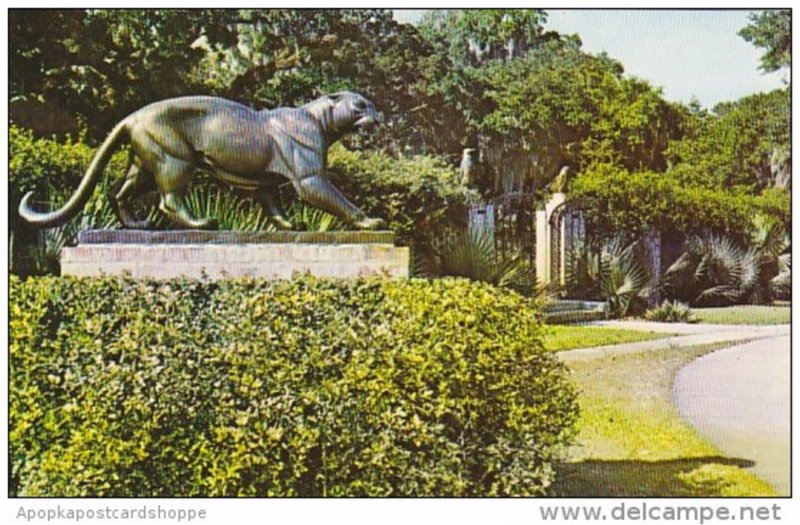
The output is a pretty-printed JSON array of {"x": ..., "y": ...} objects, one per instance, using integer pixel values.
[{"x": 78, "y": 199}]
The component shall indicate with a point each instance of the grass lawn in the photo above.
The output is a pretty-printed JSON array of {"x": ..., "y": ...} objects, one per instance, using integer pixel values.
[
  {"x": 568, "y": 337},
  {"x": 744, "y": 314},
  {"x": 633, "y": 442}
]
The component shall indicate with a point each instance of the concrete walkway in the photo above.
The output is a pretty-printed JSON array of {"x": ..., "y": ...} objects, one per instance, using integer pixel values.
[{"x": 738, "y": 398}]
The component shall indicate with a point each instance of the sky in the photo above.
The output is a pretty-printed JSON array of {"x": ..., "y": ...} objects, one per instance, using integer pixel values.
[{"x": 689, "y": 54}]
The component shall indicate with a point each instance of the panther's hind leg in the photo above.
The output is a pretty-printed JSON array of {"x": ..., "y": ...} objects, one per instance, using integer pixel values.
[
  {"x": 270, "y": 201},
  {"x": 173, "y": 176},
  {"x": 122, "y": 193}
]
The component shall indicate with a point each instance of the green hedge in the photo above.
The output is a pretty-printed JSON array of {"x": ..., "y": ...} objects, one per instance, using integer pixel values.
[{"x": 291, "y": 388}]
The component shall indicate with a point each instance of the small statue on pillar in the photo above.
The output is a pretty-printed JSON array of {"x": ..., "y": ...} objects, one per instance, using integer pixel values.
[
  {"x": 469, "y": 167},
  {"x": 561, "y": 182}
]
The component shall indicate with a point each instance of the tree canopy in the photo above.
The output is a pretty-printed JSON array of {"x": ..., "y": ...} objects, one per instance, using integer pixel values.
[
  {"x": 771, "y": 30},
  {"x": 531, "y": 100}
]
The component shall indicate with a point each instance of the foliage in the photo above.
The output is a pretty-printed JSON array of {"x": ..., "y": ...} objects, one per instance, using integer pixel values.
[
  {"x": 736, "y": 145},
  {"x": 472, "y": 254},
  {"x": 52, "y": 170},
  {"x": 306, "y": 387},
  {"x": 623, "y": 279},
  {"x": 613, "y": 273},
  {"x": 43, "y": 256},
  {"x": 616, "y": 200},
  {"x": 229, "y": 210},
  {"x": 717, "y": 271},
  {"x": 771, "y": 30},
  {"x": 559, "y": 105},
  {"x": 419, "y": 196},
  {"x": 711, "y": 271},
  {"x": 102, "y": 64},
  {"x": 37, "y": 164},
  {"x": 305, "y": 217},
  {"x": 474, "y": 37},
  {"x": 780, "y": 286},
  {"x": 233, "y": 212},
  {"x": 671, "y": 312}
]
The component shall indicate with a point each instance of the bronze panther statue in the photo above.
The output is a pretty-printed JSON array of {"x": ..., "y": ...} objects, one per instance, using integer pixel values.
[{"x": 240, "y": 146}]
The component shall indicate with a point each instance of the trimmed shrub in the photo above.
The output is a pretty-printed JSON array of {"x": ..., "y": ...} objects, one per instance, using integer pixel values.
[{"x": 306, "y": 387}]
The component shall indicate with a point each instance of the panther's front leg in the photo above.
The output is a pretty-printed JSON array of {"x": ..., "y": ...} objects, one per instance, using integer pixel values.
[{"x": 318, "y": 191}]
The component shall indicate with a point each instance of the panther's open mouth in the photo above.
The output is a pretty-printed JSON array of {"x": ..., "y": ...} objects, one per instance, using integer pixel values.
[{"x": 368, "y": 120}]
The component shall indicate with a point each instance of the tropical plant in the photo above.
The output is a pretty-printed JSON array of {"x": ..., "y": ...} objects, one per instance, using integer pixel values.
[
  {"x": 612, "y": 273},
  {"x": 714, "y": 270},
  {"x": 229, "y": 210},
  {"x": 624, "y": 281},
  {"x": 780, "y": 286},
  {"x": 671, "y": 312},
  {"x": 472, "y": 254},
  {"x": 308, "y": 218}
]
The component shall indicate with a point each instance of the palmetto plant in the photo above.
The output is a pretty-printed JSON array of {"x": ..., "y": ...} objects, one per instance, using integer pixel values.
[
  {"x": 472, "y": 254},
  {"x": 308, "y": 218},
  {"x": 233, "y": 212},
  {"x": 671, "y": 312},
  {"x": 612, "y": 273},
  {"x": 229, "y": 210},
  {"x": 780, "y": 286},
  {"x": 714, "y": 270}
]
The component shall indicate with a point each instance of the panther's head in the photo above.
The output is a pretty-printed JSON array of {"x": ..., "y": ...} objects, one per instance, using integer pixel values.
[{"x": 352, "y": 111}]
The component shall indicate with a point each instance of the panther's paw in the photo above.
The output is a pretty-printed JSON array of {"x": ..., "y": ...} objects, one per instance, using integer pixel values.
[
  {"x": 205, "y": 224},
  {"x": 282, "y": 223}
]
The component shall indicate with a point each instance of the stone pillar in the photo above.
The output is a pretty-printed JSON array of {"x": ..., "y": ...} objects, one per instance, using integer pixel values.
[
  {"x": 544, "y": 246},
  {"x": 652, "y": 252}
]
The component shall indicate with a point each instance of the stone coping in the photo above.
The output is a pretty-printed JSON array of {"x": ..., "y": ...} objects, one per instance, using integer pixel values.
[{"x": 232, "y": 237}]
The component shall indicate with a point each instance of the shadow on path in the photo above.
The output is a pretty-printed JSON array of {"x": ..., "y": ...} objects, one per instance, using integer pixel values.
[{"x": 696, "y": 477}]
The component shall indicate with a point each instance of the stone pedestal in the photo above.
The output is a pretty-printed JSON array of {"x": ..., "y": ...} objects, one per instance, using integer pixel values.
[{"x": 215, "y": 255}]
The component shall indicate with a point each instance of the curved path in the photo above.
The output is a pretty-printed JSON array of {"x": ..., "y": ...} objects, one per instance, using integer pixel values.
[{"x": 739, "y": 399}]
